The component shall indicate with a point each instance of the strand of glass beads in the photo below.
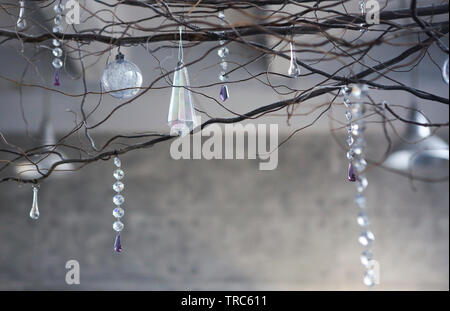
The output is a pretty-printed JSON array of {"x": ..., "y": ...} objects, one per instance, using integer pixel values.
[
  {"x": 21, "y": 21},
  {"x": 355, "y": 113},
  {"x": 362, "y": 8},
  {"x": 223, "y": 52},
  {"x": 57, "y": 52},
  {"x": 118, "y": 200}
]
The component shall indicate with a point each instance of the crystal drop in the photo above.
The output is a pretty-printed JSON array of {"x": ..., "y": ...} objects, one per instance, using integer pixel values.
[
  {"x": 360, "y": 200},
  {"x": 347, "y": 102},
  {"x": 350, "y": 140},
  {"x": 360, "y": 90},
  {"x": 34, "y": 212},
  {"x": 118, "y": 212},
  {"x": 362, "y": 219},
  {"x": 122, "y": 75},
  {"x": 224, "y": 95},
  {"x": 117, "y": 162},
  {"x": 118, "y": 186},
  {"x": 369, "y": 278},
  {"x": 117, "y": 244},
  {"x": 21, "y": 24},
  {"x": 351, "y": 173},
  {"x": 57, "y": 52},
  {"x": 366, "y": 257},
  {"x": 223, "y": 52},
  {"x": 366, "y": 238},
  {"x": 358, "y": 128},
  {"x": 224, "y": 65},
  {"x": 223, "y": 76},
  {"x": 181, "y": 118},
  {"x": 350, "y": 155},
  {"x": 294, "y": 68},
  {"x": 348, "y": 115},
  {"x": 58, "y": 8},
  {"x": 361, "y": 183},
  {"x": 57, "y": 63},
  {"x": 118, "y": 226},
  {"x": 58, "y": 29},
  {"x": 56, "y": 81},
  {"x": 345, "y": 90},
  {"x": 118, "y": 199},
  {"x": 358, "y": 110},
  {"x": 118, "y": 174},
  {"x": 360, "y": 164},
  {"x": 348, "y": 127},
  {"x": 56, "y": 42},
  {"x": 445, "y": 73},
  {"x": 57, "y": 20}
]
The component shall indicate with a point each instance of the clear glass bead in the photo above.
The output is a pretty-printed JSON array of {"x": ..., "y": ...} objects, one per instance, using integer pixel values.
[
  {"x": 350, "y": 155},
  {"x": 57, "y": 52},
  {"x": 118, "y": 199},
  {"x": 118, "y": 186},
  {"x": 221, "y": 14},
  {"x": 348, "y": 128},
  {"x": 360, "y": 91},
  {"x": 360, "y": 164},
  {"x": 345, "y": 90},
  {"x": 57, "y": 63},
  {"x": 223, "y": 76},
  {"x": 366, "y": 257},
  {"x": 358, "y": 128},
  {"x": 118, "y": 226},
  {"x": 223, "y": 52},
  {"x": 358, "y": 110},
  {"x": 57, "y": 20},
  {"x": 350, "y": 140},
  {"x": 58, "y": 8},
  {"x": 359, "y": 146},
  {"x": 366, "y": 238},
  {"x": 361, "y": 183},
  {"x": 117, "y": 162},
  {"x": 362, "y": 219},
  {"x": 348, "y": 115},
  {"x": 56, "y": 42},
  {"x": 347, "y": 102},
  {"x": 118, "y": 174},
  {"x": 58, "y": 29},
  {"x": 224, "y": 65},
  {"x": 369, "y": 278},
  {"x": 118, "y": 212},
  {"x": 360, "y": 200}
]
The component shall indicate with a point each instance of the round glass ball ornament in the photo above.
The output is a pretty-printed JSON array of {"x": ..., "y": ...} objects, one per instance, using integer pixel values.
[{"x": 121, "y": 75}]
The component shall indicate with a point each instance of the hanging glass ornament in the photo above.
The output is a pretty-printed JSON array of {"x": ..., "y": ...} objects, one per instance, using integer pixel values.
[
  {"x": 294, "y": 68},
  {"x": 57, "y": 52},
  {"x": 182, "y": 118},
  {"x": 21, "y": 21},
  {"x": 34, "y": 212},
  {"x": 223, "y": 52},
  {"x": 118, "y": 200},
  {"x": 121, "y": 75},
  {"x": 363, "y": 10},
  {"x": 445, "y": 71}
]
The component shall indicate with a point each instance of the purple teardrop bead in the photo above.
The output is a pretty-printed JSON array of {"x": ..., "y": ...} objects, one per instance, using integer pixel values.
[
  {"x": 56, "y": 80},
  {"x": 224, "y": 93},
  {"x": 351, "y": 173},
  {"x": 117, "y": 244}
]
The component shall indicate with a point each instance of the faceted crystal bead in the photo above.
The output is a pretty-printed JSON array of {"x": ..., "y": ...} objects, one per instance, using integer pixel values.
[
  {"x": 57, "y": 52},
  {"x": 118, "y": 174},
  {"x": 117, "y": 244},
  {"x": 57, "y": 20},
  {"x": 360, "y": 200},
  {"x": 345, "y": 90},
  {"x": 350, "y": 155},
  {"x": 224, "y": 93},
  {"x": 58, "y": 29},
  {"x": 359, "y": 146},
  {"x": 358, "y": 110},
  {"x": 348, "y": 115},
  {"x": 57, "y": 63},
  {"x": 366, "y": 238},
  {"x": 358, "y": 128},
  {"x": 221, "y": 15},
  {"x": 360, "y": 90},
  {"x": 117, "y": 162},
  {"x": 118, "y": 212},
  {"x": 34, "y": 212},
  {"x": 366, "y": 257},
  {"x": 118, "y": 199},
  {"x": 351, "y": 173},
  {"x": 350, "y": 140},
  {"x": 118, "y": 186},
  {"x": 348, "y": 128},
  {"x": 223, "y": 76},
  {"x": 58, "y": 8},
  {"x": 360, "y": 164},
  {"x": 362, "y": 219},
  {"x": 361, "y": 183},
  {"x": 56, "y": 42},
  {"x": 224, "y": 65},
  {"x": 118, "y": 226},
  {"x": 347, "y": 102},
  {"x": 223, "y": 52},
  {"x": 369, "y": 278},
  {"x": 181, "y": 118}
]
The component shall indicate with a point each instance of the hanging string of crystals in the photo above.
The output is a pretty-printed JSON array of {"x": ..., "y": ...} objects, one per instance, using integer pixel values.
[
  {"x": 181, "y": 119},
  {"x": 34, "y": 212},
  {"x": 357, "y": 164},
  {"x": 223, "y": 52},
  {"x": 57, "y": 52},
  {"x": 362, "y": 8},
  {"x": 21, "y": 21},
  {"x": 118, "y": 200},
  {"x": 294, "y": 69}
]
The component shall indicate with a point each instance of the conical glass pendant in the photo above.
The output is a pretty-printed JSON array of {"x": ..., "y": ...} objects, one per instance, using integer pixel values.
[
  {"x": 182, "y": 118},
  {"x": 34, "y": 212},
  {"x": 294, "y": 69},
  {"x": 21, "y": 21},
  {"x": 117, "y": 244}
]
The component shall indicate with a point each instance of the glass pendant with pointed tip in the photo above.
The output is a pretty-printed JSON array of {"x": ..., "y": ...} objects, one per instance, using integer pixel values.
[
  {"x": 181, "y": 118},
  {"x": 21, "y": 21},
  {"x": 294, "y": 68},
  {"x": 34, "y": 212}
]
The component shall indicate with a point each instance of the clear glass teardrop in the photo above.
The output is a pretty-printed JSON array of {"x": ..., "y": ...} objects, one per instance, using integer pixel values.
[
  {"x": 294, "y": 69},
  {"x": 34, "y": 212}
]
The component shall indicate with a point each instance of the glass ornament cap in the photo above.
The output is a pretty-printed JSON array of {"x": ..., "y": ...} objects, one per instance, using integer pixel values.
[{"x": 121, "y": 78}]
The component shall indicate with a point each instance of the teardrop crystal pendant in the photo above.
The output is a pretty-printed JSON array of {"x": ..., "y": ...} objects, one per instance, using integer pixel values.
[
  {"x": 182, "y": 118},
  {"x": 117, "y": 244},
  {"x": 294, "y": 69},
  {"x": 56, "y": 78},
  {"x": 34, "y": 212},
  {"x": 351, "y": 173},
  {"x": 224, "y": 95}
]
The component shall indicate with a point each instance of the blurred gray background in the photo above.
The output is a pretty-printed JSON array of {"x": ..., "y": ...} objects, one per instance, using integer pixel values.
[{"x": 220, "y": 224}]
